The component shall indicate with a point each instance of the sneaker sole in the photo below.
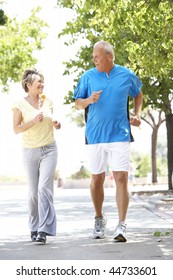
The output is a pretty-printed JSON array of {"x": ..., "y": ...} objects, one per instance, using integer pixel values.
[
  {"x": 33, "y": 240},
  {"x": 120, "y": 238},
  {"x": 98, "y": 237},
  {"x": 41, "y": 241}
]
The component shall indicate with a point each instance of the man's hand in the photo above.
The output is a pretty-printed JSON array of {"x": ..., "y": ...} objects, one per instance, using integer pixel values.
[
  {"x": 82, "y": 103},
  {"x": 95, "y": 96},
  {"x": 135, "y": 120}
]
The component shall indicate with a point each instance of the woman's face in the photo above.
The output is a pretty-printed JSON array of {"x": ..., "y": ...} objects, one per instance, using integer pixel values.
[{"x": 37, "y": 85}]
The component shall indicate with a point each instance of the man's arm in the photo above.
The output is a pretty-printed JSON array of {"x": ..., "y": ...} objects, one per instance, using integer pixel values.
[
  {"x": 136, "y": 120},
  {"x": 83, "y": 103}
]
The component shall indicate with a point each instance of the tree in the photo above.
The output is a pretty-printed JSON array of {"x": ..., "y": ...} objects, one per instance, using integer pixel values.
[
  {"x": 83, "y": 173},
  {"x": 77, "y": 117},
  {"x": 18, "y": 41},
  {"x": 142, "y": 165},
  {"x": 142, "y": 35},
  {"x": 154, "y": 120},
  {"x": 3, "y": 17}
]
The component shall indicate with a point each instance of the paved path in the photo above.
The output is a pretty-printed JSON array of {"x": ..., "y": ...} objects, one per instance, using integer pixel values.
[{"x": 74, "y": 227}]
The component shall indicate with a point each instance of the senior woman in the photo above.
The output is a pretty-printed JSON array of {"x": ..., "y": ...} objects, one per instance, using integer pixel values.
[{"x": 32, "y": 116}]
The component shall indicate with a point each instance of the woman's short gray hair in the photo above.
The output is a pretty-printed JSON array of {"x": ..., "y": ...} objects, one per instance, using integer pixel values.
[
  {"x": 106, "y": 46},
  {"x": 29, "y": 77}
]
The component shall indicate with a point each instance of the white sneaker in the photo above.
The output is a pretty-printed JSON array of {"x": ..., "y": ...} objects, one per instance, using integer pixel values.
[
  {"x": 120, "y": 233},
  {"x": 99, "y": 227}
]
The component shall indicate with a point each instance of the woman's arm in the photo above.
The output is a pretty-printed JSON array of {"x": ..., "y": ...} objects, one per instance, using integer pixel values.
[{"x": 20, "y": 127}]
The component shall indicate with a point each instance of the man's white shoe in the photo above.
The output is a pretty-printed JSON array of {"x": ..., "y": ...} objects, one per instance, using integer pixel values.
[
  {"x": 99, "y": 227},
  {"x": 120, "y": 233}
]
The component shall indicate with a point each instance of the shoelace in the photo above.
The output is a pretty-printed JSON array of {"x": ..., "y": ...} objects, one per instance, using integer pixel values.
[
  {"x": 122, "y": 227},
  {"x": 99, "y": 222}
]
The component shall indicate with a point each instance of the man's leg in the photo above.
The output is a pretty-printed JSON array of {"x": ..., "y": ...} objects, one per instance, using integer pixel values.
[
  {"x": 98, "y": 162},
  {"x": 122, "y": 200},
  {"x": 97, "y": 192},
  {"x": 122, "y": 193}
]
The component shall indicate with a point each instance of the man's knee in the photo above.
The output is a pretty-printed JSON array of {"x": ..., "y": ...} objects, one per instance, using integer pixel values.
[
  {"x": 97, "y": 180},
  {"x": 121, "y": 177}
]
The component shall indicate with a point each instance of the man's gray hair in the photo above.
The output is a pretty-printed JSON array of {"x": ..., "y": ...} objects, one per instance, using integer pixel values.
[{"x": 106, "y": 46}]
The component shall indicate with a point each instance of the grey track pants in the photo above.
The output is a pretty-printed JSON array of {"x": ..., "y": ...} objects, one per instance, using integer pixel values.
[{"x": 40, "y": 164}]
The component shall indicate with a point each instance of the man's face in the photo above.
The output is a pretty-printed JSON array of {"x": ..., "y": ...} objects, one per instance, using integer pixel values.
[{"x": 101, "y": 59}]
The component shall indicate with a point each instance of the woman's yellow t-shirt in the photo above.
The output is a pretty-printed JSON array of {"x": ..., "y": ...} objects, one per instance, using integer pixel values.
[{"x": 40, "y": 134}]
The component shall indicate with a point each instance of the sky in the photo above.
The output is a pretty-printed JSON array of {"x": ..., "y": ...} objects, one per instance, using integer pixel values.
[{"x": 70, "y": 138}]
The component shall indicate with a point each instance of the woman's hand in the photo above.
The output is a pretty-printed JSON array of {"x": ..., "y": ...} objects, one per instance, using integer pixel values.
[
  {"x": 38, "y": 118},
  {"x": 56, "y": 124}
]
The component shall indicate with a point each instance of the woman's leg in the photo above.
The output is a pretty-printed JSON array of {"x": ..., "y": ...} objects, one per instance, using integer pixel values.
[
  {"x": 47, "y": 215},
  {"x": 31, "y": 163}
]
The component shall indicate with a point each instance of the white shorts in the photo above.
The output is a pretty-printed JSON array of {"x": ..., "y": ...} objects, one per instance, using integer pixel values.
[{"x": 115, "y": 155}]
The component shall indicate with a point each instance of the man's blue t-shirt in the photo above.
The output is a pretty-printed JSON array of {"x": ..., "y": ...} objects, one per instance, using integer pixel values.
[{"x": 107, "y": 120}]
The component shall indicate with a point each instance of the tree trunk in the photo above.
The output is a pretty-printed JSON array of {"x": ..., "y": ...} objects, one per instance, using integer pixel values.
[
  {"x": 153, "y": 154},
  {"x": 155, "y": 128},
  {"x": 169, "y": 125}
]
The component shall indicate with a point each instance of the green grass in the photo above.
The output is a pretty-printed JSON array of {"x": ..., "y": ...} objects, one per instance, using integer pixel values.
[
  {"x": 159, "y": 233},
  {"x": 12, "y": 179}
]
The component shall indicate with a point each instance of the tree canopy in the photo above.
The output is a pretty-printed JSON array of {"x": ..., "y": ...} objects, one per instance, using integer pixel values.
[
  {"x": 3, "y": 17},
  {"x": 18, "y": 41},
  {"x": 141, "y": 33}
]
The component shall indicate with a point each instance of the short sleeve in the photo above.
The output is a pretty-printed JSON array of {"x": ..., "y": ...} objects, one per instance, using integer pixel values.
[
  {"x": 81, "y": 90},
  {"x": 17, "y": 105},
  {"x": 136, "y": 84}
]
